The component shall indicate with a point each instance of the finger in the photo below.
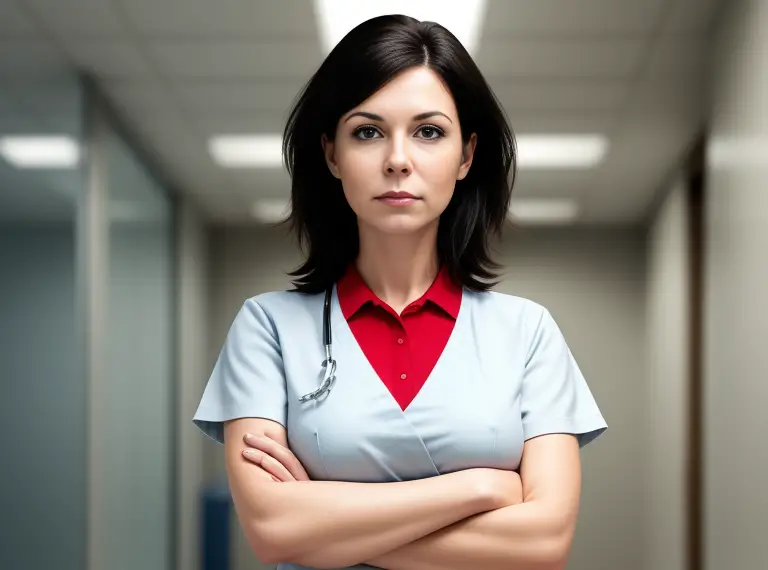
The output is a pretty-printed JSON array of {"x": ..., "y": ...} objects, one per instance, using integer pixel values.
[
  {"x": 265, "y": 451},
  {"x": 261, "y": 472},
  {"x": 292, "y": 462},
  {"x": 269, "y": 464},
  {"x": 280, "y": 453}
]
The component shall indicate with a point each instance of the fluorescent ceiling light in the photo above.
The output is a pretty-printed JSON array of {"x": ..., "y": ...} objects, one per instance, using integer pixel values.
[
  {"x": 464, "y": 19},
  {"x": 270, "y": 210},
  {"x": 40, "y": 151},
  {"x": 560, "y": 151},
  {"x": 543, "y": 211},
  {"x": 247, "y": 151}
]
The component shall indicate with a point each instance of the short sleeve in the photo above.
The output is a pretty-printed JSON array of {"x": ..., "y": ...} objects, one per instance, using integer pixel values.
[
  {"x": 248, "y": 379},
  {"x": 555, "y": 396}
]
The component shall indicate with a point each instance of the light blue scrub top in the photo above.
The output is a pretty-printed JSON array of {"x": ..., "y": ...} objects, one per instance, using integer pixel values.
[{"x": 505, "y": 376}]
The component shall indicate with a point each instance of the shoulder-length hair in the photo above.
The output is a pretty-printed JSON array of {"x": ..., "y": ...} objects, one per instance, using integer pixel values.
[{"x": 367, "y": 58}]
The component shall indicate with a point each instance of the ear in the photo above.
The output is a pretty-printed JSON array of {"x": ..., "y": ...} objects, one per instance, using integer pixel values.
[
  {"x": 467, "y": 156},
  {"x": 330, "y": 158}
]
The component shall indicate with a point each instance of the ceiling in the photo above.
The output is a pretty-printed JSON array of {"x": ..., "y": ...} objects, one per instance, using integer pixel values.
[{"x": 180, "y": 71}]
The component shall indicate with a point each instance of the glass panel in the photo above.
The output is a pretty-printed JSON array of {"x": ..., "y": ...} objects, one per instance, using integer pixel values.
[
  {"x": 42, "y": 406},
  {"x": 137, "y": 386}
]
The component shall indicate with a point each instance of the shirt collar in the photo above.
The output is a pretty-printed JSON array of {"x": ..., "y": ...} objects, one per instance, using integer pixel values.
[{"x": 354, "y": 293}]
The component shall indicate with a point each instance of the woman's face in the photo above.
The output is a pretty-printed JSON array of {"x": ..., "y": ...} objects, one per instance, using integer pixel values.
[{"x": 399, "y": 154}]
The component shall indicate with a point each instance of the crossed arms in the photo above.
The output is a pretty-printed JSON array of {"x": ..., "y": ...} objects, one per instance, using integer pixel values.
[{"x": 478, "y": 518}]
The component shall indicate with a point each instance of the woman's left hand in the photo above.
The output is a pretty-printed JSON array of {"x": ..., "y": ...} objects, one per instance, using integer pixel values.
[{"x": 274, "y": 458}]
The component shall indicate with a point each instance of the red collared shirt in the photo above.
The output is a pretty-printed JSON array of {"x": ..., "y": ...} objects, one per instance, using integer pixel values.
[{"x": 402, "y": 349}]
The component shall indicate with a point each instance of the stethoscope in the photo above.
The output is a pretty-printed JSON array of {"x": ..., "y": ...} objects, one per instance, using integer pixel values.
[{"x": 329, "y": 364}]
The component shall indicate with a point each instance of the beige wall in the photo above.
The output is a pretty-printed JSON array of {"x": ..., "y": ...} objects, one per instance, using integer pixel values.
[
  {"x": 593, "y": 283},
  {"x": 736, "y": 288},
  {"x": 668, "y": 335}
]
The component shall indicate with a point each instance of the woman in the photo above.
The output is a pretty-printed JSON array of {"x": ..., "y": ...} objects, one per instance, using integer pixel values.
[{"x": 449, "y": 435}]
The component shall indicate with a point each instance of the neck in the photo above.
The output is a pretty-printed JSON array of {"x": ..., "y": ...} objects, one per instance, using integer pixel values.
[{"x": 398, "y": 268}]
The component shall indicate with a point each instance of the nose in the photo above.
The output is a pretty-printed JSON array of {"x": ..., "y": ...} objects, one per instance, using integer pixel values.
[{"x": 398, "y": 160}]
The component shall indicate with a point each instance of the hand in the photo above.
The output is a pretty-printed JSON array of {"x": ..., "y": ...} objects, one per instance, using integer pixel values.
[
  {"x": 499, "y": 488},
  {"x": 276, "y": 459}
]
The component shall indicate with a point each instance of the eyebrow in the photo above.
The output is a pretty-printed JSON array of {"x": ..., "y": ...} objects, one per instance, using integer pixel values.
[{"x": 419, "y": 117}]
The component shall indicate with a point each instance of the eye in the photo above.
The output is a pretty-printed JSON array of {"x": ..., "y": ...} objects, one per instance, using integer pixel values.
[
  {"x": 366, "y": 132},
  {"x": 430, "y": 132}
]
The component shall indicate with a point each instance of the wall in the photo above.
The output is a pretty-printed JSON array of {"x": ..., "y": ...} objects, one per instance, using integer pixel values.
[
  {"x": 668, "y": 337},
  {"x": 593, "y": 283},
  {"x": 129, "y": 301},
  {"x": 137, "y": 459},
  {"x": 192, "y": 372},
  {"x": 736, "y": 309},
  {"x": 42, "y": 408}
]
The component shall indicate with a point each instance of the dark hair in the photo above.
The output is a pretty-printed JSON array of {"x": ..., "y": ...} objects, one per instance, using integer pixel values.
[{"x": 367, "y": 58}]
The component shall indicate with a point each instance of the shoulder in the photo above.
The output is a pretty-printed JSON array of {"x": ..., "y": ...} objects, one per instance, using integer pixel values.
[
  {"x": 277, "y": 310},
  {"x": 506, "y": 309},
  {"x": 276, "y": 303},
  {"x": 508, "y": 319}
]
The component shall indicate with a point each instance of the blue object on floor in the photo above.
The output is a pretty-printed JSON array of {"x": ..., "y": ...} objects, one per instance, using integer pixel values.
[{"x": 216, "y": 509}]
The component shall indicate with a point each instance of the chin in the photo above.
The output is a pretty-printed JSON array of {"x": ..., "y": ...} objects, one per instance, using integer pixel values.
[{"x": 401, "y": 225}]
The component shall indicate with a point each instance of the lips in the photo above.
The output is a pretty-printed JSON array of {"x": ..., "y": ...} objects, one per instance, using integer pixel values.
[
  {"x": 397, "y": 199},
  {"x": 397, "y": 195}
]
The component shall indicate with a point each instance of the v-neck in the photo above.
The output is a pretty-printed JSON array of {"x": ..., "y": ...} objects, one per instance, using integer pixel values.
[{"x": 345, "y": 335}]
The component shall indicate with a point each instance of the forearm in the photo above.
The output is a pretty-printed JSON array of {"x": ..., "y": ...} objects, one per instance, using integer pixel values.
[
  {"x": 528, "y": 536},
  {"x": 332, "y": 524}
]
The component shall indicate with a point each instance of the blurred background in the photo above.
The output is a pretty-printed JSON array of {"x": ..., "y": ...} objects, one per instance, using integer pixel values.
[{"x": 139, "y": 175}]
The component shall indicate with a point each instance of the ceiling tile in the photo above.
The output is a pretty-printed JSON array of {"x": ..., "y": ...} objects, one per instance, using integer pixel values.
[
  {"x": 49, "y": 95},
  {"x": 527, "y": 96},
  {"x": 678, "y": 56},
  {"x": 552, "y": 184},
  {"x": 238, "y": 96},
  {"x": 261, "y": 181},
  {"x": 41, "y": 124},
  {"x": 204, "y": 19},
  {"x": 225, "y": 208},
  {"x": 30, "y": 58},
  {"x": 14, "y": 23},
  {"x": 109, "y": 58},
  {"x": 175, "y": 139},
  {"x": 640, "y": 157},
  {"x": 8, "y": 107},
  {"x": 188, "y": 166},
  {"x": 237, "y": 59},
  {"x": 572, "y": 18},
  {"x": 241, "y": 122},
  {"x": 693, "y": 17},
  {"x": 139, "y": 94},
  {"x": 92, "y": 18},
  {"x": 15, "y": 123},
  {"x": 601, "y": 58},
  {"x": 582, "y": 122},
  {"x": 667, "y": 97}
]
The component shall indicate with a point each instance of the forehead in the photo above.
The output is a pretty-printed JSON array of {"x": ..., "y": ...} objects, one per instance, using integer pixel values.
[{"x": 411, "y": 92}]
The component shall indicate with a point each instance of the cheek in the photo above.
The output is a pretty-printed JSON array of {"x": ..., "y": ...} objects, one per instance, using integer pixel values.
[
  {"x": 440, "y": 174},
  {"x": 356, "y": 162},
  {"x": 356, "y": 177}
]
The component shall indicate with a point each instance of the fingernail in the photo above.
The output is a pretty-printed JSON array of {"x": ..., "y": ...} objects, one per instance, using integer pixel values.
[{"x": 252, "y": 452}]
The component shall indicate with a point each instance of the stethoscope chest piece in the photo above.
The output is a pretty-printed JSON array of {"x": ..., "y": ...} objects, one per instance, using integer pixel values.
[{"x": 329, "y": 364}]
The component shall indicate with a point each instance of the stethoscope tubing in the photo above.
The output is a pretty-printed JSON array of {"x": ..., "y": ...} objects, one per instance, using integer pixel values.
[{"x": 329, "y": 364}]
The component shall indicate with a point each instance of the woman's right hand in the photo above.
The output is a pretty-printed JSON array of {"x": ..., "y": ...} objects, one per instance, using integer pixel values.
[{"x": 498, "y": 488}]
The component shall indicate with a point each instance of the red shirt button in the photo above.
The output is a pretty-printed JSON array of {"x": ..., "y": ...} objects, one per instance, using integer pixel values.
[{"x": 427, "y": 323}]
